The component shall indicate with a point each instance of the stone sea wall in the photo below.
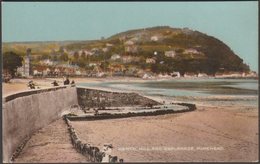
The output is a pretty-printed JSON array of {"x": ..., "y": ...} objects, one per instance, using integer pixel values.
[
  {"x": 27, "y": 112},
  {"x": 97, "y": 98}
]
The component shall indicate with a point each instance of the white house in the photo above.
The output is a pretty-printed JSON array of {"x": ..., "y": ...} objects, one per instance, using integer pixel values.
[
  {"x": 129, "y": 43},
  {"x": 105, "y": 49},
  {"x": 78, "y": 72},
  {"x": 202, "y": 75},
  {"x": 147, "y": 76},
  {"x": 109, "y": 45},
  {"x": 92, "y": 64},
  {"x": 46, "y": 71},
  {"x": 36, "y": 72},
  {"x": 176, "y": 74},
  {"x": 47, "y": 62},
  {"x": 115, "y": 57},
  {"x": 150, "y": 60},
  {"x": 171, "y": 53},
  {"x": 191, "y": 51},
  {"x": 154, "y": 38}
]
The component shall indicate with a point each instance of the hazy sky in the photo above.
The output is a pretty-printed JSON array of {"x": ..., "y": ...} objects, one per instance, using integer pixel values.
[{"x": 235, "y": 23}]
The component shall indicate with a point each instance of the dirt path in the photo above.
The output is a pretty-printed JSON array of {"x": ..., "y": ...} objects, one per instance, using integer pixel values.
[{"x": 50, "y": 144}]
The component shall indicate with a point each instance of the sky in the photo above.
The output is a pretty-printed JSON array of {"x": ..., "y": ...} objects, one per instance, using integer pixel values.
[{"x": 234, "y": 23}]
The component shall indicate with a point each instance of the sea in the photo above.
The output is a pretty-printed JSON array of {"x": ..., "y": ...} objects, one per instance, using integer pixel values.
[{"x": 238, "y": 91}]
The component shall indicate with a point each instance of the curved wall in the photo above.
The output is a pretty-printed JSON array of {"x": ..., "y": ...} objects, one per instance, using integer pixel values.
[
  {"x": 26, "y": 112},
  {"x": 24, "y": 115}
]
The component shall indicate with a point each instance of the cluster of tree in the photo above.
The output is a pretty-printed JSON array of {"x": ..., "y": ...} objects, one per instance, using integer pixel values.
[{"x": 11, "y": 61}]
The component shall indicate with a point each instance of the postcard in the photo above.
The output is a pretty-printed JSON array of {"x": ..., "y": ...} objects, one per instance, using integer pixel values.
[{"x": 130, "y": 82}]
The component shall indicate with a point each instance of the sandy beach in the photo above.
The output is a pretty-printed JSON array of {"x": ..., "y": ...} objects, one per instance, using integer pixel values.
[
  {"x": 18, "y": 85},
  {"x": 208, "y": 134},
  {"x": 216, "y": 131}
]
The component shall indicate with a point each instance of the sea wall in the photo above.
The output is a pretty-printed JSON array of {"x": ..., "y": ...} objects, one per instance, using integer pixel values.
[
  {"x": 97, "y": 98},
  {"x": 26, "y": 112}
]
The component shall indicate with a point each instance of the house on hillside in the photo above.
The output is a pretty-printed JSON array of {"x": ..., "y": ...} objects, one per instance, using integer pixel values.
[
  {"x": 129, "y": 43},
  {"x": 109, "y": 45},
  {"x": 171, "y": 53},
  {"x": 148, "y": 75},
  {"x": 115, "y": 57},
  {"x": 46, "y": 71},
  {"x": 129, "y": 59},
  {"x": 191, "y": 51},
  {"x": 78, "y": 72},
  {"x": 190, "y": 74},
  {"x": 37, "y": 73},
  {"x": 175, "y": 74},
  {"x": 40, "y": 70},
  {"x": 105, "y": 49},
  {"x": 47, "y": 62},
  {"x": 150, "y": 60},
  {"x": 202, "y": 75},
  {"x": 96, "y": 51},
  {"x": 154, "y": 38},
  {"x": 130, "y": 47}
]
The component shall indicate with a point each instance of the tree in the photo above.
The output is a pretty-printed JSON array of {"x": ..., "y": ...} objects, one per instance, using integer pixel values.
[
  {"x": 76, "y": 55},
  {"x": 11, "y": 61},
  {"x": 104, "y": 65},
  {"x": 64, "y": 57},
  {"x": 83, "y": 55}
]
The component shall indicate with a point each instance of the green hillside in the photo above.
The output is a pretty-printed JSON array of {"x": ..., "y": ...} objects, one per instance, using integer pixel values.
[{"x": 192, "y": 51}]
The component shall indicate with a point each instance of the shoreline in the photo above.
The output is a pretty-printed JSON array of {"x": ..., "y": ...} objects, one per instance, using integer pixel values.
[{"x": 20, "y": 84}]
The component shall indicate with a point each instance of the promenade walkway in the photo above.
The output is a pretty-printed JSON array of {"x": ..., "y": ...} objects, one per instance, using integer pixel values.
[{"x": 50, "y": 144}]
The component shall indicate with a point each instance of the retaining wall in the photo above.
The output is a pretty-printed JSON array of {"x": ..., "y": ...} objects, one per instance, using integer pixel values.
[
  {"x": 26, "y": 112},
  {"x": 93, "y": 153},
  {"x": 98, "y": 98}
]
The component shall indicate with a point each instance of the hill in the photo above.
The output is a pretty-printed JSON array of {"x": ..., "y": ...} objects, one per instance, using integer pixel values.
[{"x": 157, "y": 49}]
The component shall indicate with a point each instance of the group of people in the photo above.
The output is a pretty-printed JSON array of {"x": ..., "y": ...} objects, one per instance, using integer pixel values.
[
  {"x": 32, "y": 85},
  {"x": 66, "y": 82}
]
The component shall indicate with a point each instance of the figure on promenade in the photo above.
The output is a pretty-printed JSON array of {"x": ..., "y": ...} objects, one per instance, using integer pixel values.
[
  {"x": 67, "y": 81},
  {"x": 55, "y": 83},
  {"x": 31, "y": 84},
  {"x": 72, "y": 83}
]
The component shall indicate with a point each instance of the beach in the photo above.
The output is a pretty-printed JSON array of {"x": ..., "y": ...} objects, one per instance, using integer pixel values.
[
  {"x": 223, "y": 128},
  {"x": 19, "y": 85},
  {"x": 208, "y": 134}
]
